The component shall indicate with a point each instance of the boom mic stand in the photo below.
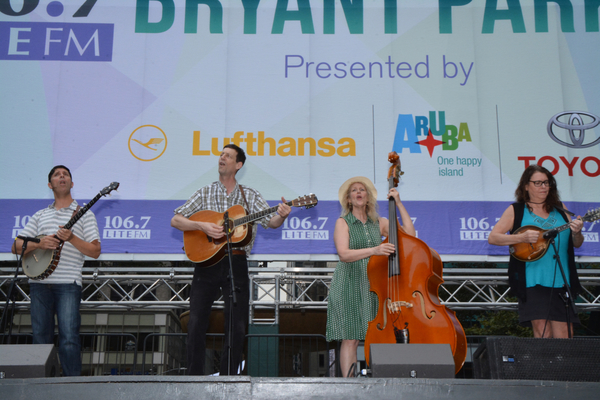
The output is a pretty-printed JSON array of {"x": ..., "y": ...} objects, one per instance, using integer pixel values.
[
  {"x": 232, "y": 295},
  {"x": 568, "y": 299},
  {"x": 6, "y": 321}
]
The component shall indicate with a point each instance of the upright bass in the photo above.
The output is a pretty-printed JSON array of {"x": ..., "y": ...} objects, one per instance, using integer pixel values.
[{"x": 406, "y": 284}]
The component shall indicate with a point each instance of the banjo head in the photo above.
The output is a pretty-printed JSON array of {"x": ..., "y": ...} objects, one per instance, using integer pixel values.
[{"x": 37, "y": 262}]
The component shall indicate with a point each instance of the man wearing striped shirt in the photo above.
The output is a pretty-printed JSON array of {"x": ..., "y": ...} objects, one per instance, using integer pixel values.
[
  {"x": 209, "y": 282},
  {"x": 60, "y": 293}
]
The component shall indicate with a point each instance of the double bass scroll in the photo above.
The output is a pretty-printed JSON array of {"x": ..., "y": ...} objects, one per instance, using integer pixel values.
[{"x": 406, "y": 284}]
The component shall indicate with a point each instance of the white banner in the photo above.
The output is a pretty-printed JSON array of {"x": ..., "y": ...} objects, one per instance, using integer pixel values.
[{"x": 147, "y": 92}]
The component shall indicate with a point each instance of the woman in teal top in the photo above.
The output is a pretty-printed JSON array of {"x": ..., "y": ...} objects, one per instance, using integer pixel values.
[
  {"x": 538, "y": 285},
  {"x": 357, "y": 237},
  {"x": 537, "y": 271}
]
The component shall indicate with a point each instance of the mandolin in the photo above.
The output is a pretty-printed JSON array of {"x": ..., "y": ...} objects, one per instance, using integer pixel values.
[
  {"x": 528, "y": 252},
  {"x": 206, "y": 251},
  {"x": 41, "y": 263}
]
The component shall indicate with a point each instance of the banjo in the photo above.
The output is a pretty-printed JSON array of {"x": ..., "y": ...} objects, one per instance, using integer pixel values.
[{"x": 41, "y": 263}]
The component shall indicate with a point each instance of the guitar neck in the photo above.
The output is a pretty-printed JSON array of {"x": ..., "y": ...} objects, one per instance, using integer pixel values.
[
  {"x": 82, "y": 211},
  {"x": 253, "y": 217}
]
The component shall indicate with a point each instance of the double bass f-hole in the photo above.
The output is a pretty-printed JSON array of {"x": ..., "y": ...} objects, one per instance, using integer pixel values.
[
  {"x": 387, "y": 304},
  {"x": 422, "y": 302}
]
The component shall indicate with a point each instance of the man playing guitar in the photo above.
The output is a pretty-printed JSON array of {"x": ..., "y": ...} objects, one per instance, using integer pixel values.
[{"x": 209, "y": 281}]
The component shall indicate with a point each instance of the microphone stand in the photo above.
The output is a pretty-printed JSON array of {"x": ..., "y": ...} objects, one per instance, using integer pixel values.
[
  {"x": 568, "y": 298},
  {"x": 232, "y": 295},
  {"x": 6, "y": 321}
]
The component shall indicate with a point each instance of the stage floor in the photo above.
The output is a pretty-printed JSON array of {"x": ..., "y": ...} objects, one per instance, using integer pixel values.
[{"x": 244, "y": 387}]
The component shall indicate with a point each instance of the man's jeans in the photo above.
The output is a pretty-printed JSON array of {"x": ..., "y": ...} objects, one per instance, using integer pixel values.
[{"x": 62, "y": 300}]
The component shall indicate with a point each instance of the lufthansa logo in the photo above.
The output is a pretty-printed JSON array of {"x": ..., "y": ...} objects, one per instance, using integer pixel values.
[
  {"x": 577, "y": 123},
  {"x": 147, "y": 143}
]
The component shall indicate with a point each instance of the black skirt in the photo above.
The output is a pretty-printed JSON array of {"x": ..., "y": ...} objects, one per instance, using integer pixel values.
[{"x": 545, "y": 303}]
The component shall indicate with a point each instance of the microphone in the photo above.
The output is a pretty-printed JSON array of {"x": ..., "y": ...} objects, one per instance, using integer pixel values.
[
  {"x": 226, "y": 223},
  {"x": 29, "y": 239},
  {"x": 551, "y": 234}
]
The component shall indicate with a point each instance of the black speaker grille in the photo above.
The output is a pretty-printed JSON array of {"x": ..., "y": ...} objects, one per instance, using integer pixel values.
[{"x": 539, "y": 359}]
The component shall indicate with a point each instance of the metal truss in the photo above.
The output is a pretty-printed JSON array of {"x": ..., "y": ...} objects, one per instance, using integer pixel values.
[
  {"x": 167, "y": 288},
  {"x": 487, "y": 289}
]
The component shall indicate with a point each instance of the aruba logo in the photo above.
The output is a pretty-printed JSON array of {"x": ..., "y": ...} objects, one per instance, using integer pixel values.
[{"x": 414, "y": 132}]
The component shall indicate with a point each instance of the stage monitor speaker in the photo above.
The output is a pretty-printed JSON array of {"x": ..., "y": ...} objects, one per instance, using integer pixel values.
[
  {"x": 574, "y": 360},
  {"x": 413, "y": 360},
  {"x": 29, "y": 361}
]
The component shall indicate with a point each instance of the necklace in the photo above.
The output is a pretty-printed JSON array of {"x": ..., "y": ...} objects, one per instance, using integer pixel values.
[{"x": 532, "y": 202}]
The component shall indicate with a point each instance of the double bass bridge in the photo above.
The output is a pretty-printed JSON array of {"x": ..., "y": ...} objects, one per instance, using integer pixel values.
[
  {"x": 393, "y": 308},
  {"x": 396, "y": 306}
]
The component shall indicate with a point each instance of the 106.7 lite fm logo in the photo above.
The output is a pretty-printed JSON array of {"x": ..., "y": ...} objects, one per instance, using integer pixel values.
[
  {"x": 115, "y": 227},
  {"x": 54, "y": 41},
  {"x": 473, "y": 228},
  {"x": 296, "y": 228}
]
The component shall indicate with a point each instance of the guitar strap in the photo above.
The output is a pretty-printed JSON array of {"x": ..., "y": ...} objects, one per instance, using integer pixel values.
[
  {"x": 519, "y": 213},
  {"x": 247, "y": 210},
  {"x": 565, "y": 211},
  {"x": 244, "y": 197}
]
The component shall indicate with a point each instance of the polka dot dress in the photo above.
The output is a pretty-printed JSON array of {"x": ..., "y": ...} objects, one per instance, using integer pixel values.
[{"x": 351, "y": 304}]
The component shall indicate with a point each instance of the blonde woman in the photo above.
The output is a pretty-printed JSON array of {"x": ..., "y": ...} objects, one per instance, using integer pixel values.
[{"x": 357, "y": 237}]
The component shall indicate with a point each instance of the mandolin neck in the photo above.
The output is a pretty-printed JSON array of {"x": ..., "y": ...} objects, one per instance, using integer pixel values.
[
  {"x": 591, "y": 216},
  {"x": 563, "y": 227}
]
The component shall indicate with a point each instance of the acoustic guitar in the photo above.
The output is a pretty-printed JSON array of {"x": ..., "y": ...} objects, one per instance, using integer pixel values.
[
  {"x": 528, "y": 252},
  {"x": 206, "y": 251},
  {"x": 41, "y": 263}
]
